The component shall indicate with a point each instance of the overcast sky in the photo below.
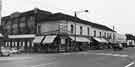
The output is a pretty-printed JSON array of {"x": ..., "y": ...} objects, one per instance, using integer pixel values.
[{"x": 120, "y": 13}]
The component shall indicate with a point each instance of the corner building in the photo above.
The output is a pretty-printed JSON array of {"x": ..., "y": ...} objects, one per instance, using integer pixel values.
[{"x": 42, "y": 31}]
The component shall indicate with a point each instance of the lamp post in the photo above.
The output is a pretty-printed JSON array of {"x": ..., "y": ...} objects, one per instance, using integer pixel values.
[{"x": 75, "y": 15}]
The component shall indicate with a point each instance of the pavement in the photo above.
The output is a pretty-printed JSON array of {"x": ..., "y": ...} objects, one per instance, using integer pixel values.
[{"x": 91, "y": 58}]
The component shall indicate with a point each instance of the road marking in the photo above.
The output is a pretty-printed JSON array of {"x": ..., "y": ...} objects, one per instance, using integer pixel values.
[
  {"x": 110, "y": 54},
  {"x": 130, "y": 64},
  {"x": 14, "y": 58},
  {"x": 65, "y": 53},
  {"x": 42, "y": 64},
  {"x": 107, "y": 54}
]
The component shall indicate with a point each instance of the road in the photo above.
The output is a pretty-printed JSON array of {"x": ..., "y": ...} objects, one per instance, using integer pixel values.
[{"x": 91, "y": 58}]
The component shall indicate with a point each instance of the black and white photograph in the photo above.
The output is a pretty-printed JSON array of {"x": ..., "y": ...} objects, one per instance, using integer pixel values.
[{"x": 67, "y": 33}]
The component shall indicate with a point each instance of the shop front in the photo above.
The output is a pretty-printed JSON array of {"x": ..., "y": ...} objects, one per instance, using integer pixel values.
[
  {"x": 38, "y": 44},
  {"x": 20, "y": 42},
  {"x": 99, "y": 43},
  {"x": 80, "y": 43}
]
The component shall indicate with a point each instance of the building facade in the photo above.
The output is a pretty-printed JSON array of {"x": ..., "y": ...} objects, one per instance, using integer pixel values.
[
  {"x": 76, "y": 30},
  {"x": 20, "y": 28},
  {"x": 44, "y": 31}
]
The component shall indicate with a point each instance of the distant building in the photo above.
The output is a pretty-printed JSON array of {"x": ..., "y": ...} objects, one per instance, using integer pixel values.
[{"x": 130, "y": 40}]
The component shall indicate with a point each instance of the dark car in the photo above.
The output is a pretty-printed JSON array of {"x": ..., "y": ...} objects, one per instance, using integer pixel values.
[{"x": 117, "y": 46}]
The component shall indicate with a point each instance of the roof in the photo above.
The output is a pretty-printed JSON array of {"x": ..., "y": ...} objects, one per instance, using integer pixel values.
[
  {"x": 40, "y": 14},
  {"x": 61, "y": 16}
]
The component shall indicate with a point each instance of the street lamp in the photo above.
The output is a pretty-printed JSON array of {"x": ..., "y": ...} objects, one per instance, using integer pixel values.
[{"x": 75, "y": 15}]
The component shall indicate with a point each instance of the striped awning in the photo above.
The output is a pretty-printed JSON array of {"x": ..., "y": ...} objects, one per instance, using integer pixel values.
[
  {"x": 38, "y": 39},
  {"x": 102, "y": 40},
  {"x": 49, "y": 39},
  {"x": 80, "y": 39}
]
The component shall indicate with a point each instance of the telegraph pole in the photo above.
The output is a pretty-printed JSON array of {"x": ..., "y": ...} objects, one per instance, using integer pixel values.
[
  {"x": 0, "y": 10},
  {"x": 113, "y": 34},
  {"x": 76, "y": 18}
]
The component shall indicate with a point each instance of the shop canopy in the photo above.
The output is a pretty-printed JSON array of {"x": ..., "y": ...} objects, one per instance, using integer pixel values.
[
  {"x": 22, "y": 36},
  {"x": 38, "y": 39},
  {"x": 80, "y": 39},
  {"x": 49, "y": 39},
  {"x": 101, "y": 40}
]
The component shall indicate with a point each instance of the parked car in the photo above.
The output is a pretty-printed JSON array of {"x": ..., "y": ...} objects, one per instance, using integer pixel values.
[
  {"x": 14, "y": 51},
  {"x": 4, "y": 51},
  {"x": 117, "y": 46},
  {"x": 21, "y": 50}
]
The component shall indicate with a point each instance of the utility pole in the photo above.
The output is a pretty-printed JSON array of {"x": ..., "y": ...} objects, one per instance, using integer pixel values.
[
  {"x": 75, "y": 28},
  {"x": 76, "y": 18},
  {"x": 0, "y": 10},
  {"x": 113, "y": 34}
]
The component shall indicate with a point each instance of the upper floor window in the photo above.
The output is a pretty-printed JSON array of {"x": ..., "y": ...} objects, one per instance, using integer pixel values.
[
  {"x": 108, "y": 35},
  {"x": 94, "y": 33},
  {"x": 9, "y": 22},
  {"x": 100, "y": 34},
  {"x": 23, "y": 19},
  {"x": 105, "y": 34},
  {"x": 72, "y": 28},
  {"x": 81, "y": 30},
  {"x": 15, "y": 20},
  {"x": 38, "y": 28},
  {"x": 31, "y": 20},
  {"x": 88, "y": 30}
]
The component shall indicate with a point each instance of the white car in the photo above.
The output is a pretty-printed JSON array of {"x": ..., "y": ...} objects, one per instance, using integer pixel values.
[
  {"x": 4, "y": 51},
  {"x": 13, "y": 51}
]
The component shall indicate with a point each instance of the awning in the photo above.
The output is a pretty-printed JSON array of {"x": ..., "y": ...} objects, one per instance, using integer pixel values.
[
  {"x": 1, "y": 35},
  {"x": 102, "y": 40},
  {"x": 22, "y": 36},
  {"x": 38, "y": 39},
  {"x": 80, "y": 39},
  {"x": 49, "y": 39}
]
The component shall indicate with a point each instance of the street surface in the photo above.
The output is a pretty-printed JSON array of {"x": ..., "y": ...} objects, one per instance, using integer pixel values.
[{"x": 91, "y": 58}]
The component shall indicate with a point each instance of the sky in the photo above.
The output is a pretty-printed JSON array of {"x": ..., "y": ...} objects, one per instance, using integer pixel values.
[{"x": 117, "y": 13}]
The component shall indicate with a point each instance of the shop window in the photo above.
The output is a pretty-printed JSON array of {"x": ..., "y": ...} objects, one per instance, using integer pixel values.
[
  {"x": 6, "y": 44},
  {"x": 28, "y": 44},
  {"x": 16, "y": 44},
  {"x": 32, "y": 44},
  {"x": 72, "y": 29},
  {"x": 19, "y": 43},
  {"x": 9, "y": 43},
  {"x": 23, "y": 44},
  {"x": 81, "y": 30},
  {"x": 12, "y": 43}
]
